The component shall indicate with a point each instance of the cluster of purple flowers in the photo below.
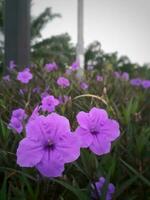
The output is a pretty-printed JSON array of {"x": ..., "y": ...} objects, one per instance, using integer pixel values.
[
  {"x": 16, "y": 120},
  {"x": 24, "y": 76},
  {"x": 139, "y": 82},
  {"x": 99, "y": 185},
  {"x": 49, "y": 142}
]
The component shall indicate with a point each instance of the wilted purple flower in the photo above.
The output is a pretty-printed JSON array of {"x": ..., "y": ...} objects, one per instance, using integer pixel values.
[
  {"x": 68, "y": 71},
  {"x": 35, "y": 113},
  {"x": 16, "y": 124},
  {"x": 49, "y": 103},
  {"x": 64, "y": 99},
  {"x": 6, "y": 78},
  {"x": 97, "y": 131},
  {"x": 146, "y": 84},
  {"x": 36, "y": 90},
  {"x": 117, "y": 74},
  {"x": 12, "y": 65},
  {"x": 63, "y": 82},
  {"x": 84, "y": 86},
  {"x": 136, "y": 82},
  {"x": 48, "y": 145},
  {"x": 99, "y": 187},
  {"x": 125, "y": 76},
  {"x": 49, "y": 67},
  {"x": 99, "y": 78},
  {"x": 24, "y": 76},
  {"x": 90, "y": 67},
  {"x": 75, "y": 65}
]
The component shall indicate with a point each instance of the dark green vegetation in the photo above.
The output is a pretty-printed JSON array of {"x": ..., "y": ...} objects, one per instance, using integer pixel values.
[{"x": 127, "y": 166}]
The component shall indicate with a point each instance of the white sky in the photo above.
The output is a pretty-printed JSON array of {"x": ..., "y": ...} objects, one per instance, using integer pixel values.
[{"x": 120, "y": 25}]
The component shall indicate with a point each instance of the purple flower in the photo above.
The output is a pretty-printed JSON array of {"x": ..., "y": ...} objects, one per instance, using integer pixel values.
[
  {"x": 136, "y": 82},
  {"x": 99, "y": 187},
  {"x": 125, "y": 76},
  {"x": 75, "y": 65},
  {"x": 48, "y": 145},
  {"x": 49, "y": 103},
  {"x": 24, "y": 76},
  {"x": 68, "y": 71},
  {"x": 12, "y": 65},
  {"x": 84, "y": 86},
  {"x": 49, "y": 67},
  {"x": 146, "y": 84},
  {"x": 19, "y": 114},
  {"x": 63, "y": 82},
  {"x": 99, "y": 78},
  {"x": 97, "y": 131},
  {"x": 36, "y": 90},
  {"x": 16, "y": 120},
  {"x": 117, "y": 74},
  {"x": 6, "y": 78},
  {"x": 16, "y": 124}
]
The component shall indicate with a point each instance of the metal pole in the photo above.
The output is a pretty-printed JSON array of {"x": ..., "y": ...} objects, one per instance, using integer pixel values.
[
  {"x": 80, "y": 42},
  {"x": 17, "y": 31}
]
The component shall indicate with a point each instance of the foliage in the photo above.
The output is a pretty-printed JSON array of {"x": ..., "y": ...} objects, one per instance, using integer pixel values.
[{"x": 127, "y": 166}]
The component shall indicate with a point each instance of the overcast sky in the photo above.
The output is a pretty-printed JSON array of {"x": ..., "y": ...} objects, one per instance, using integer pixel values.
[{"x": 120, "y": 25}]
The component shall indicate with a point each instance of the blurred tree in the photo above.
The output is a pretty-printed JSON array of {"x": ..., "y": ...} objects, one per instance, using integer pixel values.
[
  {"x": 37, "y": 25},
  {"x": 57, "y": 48}
]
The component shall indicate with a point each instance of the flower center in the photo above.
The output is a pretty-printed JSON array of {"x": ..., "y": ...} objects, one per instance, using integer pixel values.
[
  {"x": 49, "y": 145},
  {"x": 93, "y": 132}
]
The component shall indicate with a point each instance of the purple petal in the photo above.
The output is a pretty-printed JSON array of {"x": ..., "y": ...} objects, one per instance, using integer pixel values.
[
  {"x": 98, "y": 116},
  {"x": 29, "y": 153},
  {"x": 110, "y": 129},
  {"x": 69, "y": 147},
  {"x": 51, "y": 165},
  {"x": 85, "y": 137},
  {"x": 83, "y": 119},
  {"x": 100, "y": 145}
]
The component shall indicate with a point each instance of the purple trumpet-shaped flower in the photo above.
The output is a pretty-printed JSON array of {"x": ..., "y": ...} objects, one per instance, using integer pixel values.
[
  {"x": 125, "y": 76},
  {"x": 6, "y": 78},
  {"x": 136, "y": 82},
  {"x": 99, "y": 185},
  {"x": 48, "y": 145},
  {"x": 12, "y": 65},
  {"x": 24, "y": 76},
  {"x": 16, "y": 120},
  {"x": 146, "y": 84},
  {"x": 97, "y": 131},
  {"x": 84, "y": 86},
  {"x": 16, "y": 124},
  {"x": 49, "y": 103},
  {"x": 49, "y": 67},
  {"x": 75, "y": 65},
  {"x": 99, "y": 78},
  {"x": 63, "y": 82}
]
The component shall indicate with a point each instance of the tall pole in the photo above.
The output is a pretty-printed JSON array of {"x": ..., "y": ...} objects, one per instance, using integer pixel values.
[
  {"x": 80, "y": 40},
  {"x": 17, "y": 31}
]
